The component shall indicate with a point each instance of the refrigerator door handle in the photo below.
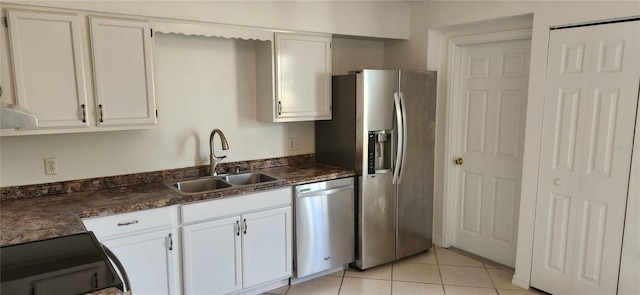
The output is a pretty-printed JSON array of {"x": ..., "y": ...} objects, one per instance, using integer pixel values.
[
  {"x": 400, "y": 149},
  {"x": 404, "y": 137}
]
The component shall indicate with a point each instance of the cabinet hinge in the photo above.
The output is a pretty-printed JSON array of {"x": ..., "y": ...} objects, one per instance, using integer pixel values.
[
  {"x": 330, "y": 44},
  {"x": 151, "y": 32},
  {"x": 6, "y": 22}
]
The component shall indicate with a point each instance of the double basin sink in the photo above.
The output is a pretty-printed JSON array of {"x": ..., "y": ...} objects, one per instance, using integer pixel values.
[{"x": 208, "y": 184}]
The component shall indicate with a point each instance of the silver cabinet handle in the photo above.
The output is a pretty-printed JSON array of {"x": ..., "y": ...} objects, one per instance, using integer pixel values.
[
  {"x": 237, "y": 227},
  {"x": 101, "y": 114},
  {"x": 170, "y": 241},
  {"x": 279, "y": 108},
  {"x": 245, "y": 225},
  {"x": 127, "y": 223}
]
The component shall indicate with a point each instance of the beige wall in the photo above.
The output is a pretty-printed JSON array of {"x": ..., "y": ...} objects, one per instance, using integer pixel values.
[
  {"x": 217, "y": 77},
  {"x": 356, "y": 54},
  {"x": 382, "y": 19},
  {"x": 433, "y": 22},
  {"x": 201, "y": 84}
]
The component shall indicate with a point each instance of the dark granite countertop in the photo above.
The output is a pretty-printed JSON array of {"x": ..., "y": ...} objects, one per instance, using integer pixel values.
[{"x": 33, "y": 218}]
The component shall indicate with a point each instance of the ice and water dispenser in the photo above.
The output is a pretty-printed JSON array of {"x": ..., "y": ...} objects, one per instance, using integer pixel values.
[{"x": 379, "y": 154}]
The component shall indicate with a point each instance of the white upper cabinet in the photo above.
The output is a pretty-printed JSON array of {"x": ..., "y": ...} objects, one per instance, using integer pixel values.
[
  {"x": 48, "y": 64},
  {"x": 74, "y": 69},
  {"x": 123, "y": 71},
  {"x": 302, "y": 80}
]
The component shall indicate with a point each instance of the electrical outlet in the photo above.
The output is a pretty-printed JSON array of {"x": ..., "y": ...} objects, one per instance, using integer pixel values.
[
  {"x": 50, "y": 166},
  {"x": 294, "y": 144}
]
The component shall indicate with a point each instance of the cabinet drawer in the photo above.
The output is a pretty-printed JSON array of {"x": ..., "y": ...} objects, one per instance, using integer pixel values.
[
  {"x": 236, "y": 205},
  {"x": 125, "y": 223}
]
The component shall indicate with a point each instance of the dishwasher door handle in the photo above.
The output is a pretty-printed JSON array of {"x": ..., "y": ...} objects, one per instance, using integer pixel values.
[{"x": 308, "y": 194}]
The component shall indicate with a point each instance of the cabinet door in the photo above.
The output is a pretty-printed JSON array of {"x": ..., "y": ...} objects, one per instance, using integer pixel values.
[
  {"x": 49, "y": 72},
  {"x": 266, "y": 246},
  {"x": 123, "y": 72},
  {"x": 303, "y": 77},
  {"x": 149, "y": 261},
  {"x": 211, "y": 257}
]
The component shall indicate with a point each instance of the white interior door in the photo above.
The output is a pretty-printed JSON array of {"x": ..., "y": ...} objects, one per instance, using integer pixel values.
[
  {"x": 492, "y": 98},
  {"x": 591, "y": 98}
]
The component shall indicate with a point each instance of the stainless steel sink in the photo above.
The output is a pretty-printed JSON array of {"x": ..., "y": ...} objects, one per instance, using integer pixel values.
[
  {"x": 207, "y": 184},
  {"x": 249, "y": 178},
  {"x": 200, "y": 185}
]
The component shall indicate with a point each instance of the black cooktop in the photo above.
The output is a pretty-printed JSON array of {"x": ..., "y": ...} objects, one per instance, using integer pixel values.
[{"x": 74, "y": 264}]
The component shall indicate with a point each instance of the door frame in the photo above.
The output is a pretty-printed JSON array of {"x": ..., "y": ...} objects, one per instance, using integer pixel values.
[
  {"x": 627, "y": 283},
  {"x": 451, "y": 123}
]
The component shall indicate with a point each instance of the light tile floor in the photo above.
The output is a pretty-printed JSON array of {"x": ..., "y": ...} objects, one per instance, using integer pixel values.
[{"x": 436, "y": 272}]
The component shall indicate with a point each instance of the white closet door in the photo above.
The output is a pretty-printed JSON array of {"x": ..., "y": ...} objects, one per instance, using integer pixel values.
[{"x": 589, "y": 118}]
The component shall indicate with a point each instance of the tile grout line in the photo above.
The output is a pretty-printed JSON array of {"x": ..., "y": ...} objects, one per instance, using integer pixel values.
[
  {"x": 393, "y": 265},
  {"x": 435, "y": 253},
  {"x": 341, "y": 281},
  {"x": 490, "y": 278}
]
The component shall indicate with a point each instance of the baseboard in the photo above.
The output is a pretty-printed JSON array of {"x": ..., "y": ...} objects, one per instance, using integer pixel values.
[
  {"x": 520, "y": 281},
  {"x": 265, "y": 288},
  {"x": 438, "y": 241}
]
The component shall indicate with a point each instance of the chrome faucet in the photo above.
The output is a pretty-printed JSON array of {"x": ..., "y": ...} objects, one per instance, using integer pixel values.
[{"x": 225, "y": 146}]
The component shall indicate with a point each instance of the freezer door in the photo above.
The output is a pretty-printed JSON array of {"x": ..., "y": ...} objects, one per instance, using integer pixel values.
[
  {"x": 415, "y": 187},
  {"x": 378, "y": 87}
]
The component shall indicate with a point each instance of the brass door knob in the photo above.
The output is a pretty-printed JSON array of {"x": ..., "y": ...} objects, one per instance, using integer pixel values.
[{"x": 459, "y": 161}]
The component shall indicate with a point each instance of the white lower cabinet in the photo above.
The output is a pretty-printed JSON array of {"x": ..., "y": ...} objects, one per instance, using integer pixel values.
[
  {"x": 266, "y": 246},
  {"x": 231, "y": 254},
  {"x": 241, "y": 244},
  {"x": 240, "y": 253},
  {"x": 212, "y": 260},
  {"x": 146, "y": 242},
  {"x": 148, "y": 260}
]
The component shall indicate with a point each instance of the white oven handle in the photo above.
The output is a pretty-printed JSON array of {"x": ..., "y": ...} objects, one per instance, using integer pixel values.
[{"x": 120, "y": 267}]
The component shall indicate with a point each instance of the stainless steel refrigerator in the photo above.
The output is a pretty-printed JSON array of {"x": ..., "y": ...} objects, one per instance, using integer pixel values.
[{"x": 383, "y": 127}]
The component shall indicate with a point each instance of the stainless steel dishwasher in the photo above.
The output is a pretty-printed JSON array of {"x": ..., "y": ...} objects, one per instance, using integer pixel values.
[{"x": 324, "y": 226}]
